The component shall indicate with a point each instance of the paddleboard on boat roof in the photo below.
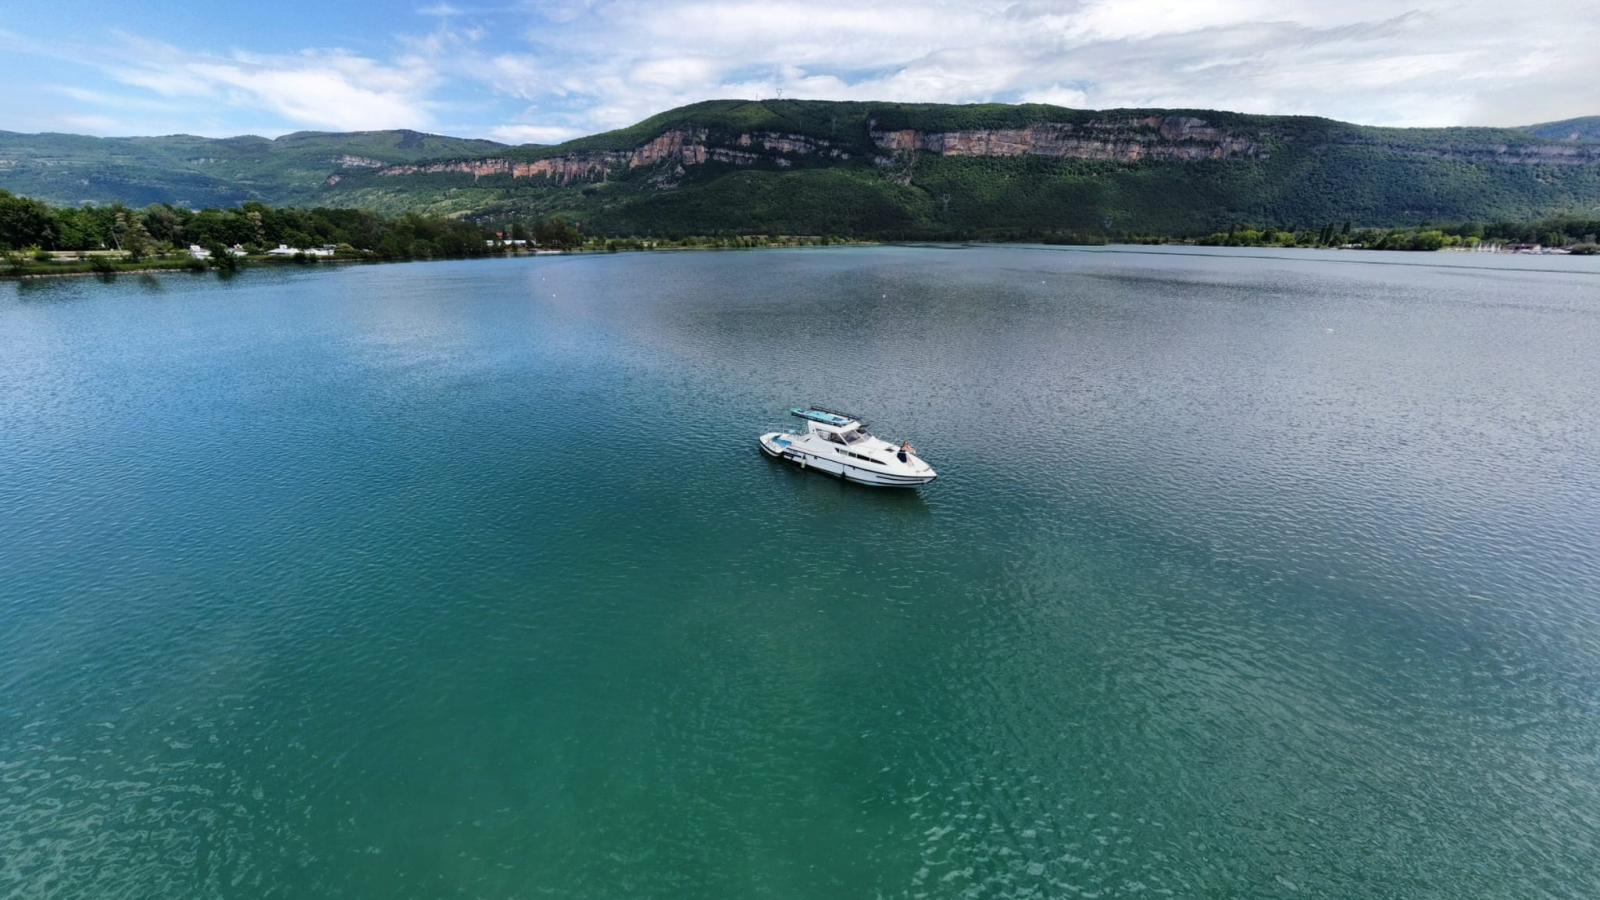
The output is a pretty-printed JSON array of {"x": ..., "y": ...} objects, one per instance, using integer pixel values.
[{"x": 826, "y": 417}]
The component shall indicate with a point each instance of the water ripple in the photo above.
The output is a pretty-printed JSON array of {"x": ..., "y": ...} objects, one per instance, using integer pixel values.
[{"x": 1243, "y": 576}]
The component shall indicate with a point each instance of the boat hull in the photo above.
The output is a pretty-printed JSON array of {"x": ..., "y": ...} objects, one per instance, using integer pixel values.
[{"x": 779, "y": 446}]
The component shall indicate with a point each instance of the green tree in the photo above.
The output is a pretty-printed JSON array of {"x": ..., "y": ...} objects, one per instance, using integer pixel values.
[
  {"x": 221, "y": 257},
  {"x": 131, "y": 235},
  {"x": 25, "y": 222},
  {"x": 1427, "y": 240},
  {"x": 556, "y": 234},
  {"x": 79, "y": 229},
  {"x": 164, "y": 222},
  {"x": 258, "y": 228}
]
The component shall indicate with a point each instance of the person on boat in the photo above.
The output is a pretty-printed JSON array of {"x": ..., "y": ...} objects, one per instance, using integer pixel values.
[{"x": 905, "y": 449}]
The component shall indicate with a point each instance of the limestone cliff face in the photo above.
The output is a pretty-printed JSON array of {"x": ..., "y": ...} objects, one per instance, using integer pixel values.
[
  {"x": 1168, "y": 138},
  {"x": 790, "y": 144},
  {"x": 685, "y": 147},
  {"x": 564, "y": 168},
  {"x": 1178, "y": 138},
  {"x": 1172, "y": 138}
]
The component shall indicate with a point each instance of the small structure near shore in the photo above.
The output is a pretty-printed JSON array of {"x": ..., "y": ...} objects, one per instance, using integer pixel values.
[{"x": 286, "y": 250}]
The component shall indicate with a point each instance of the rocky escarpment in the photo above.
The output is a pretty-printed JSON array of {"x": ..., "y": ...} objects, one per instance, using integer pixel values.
[
  {"x": 1166, "y": 138},
  {"x": 1172, "y": 138},
  {"x": 686, "y": 147}
]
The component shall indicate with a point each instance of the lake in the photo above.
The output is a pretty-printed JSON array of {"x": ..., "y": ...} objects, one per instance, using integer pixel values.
[{"x": 1246, "y": 574}]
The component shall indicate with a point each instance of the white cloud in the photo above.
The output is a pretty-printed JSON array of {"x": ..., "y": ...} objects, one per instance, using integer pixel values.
[
  {"x": 319, "y": 94},
  {"x": 676, "y": 72},
  {"x": 545, "y": 69},
  {"x": 93, "y": 124},
  {"x": 1056, "y": 95},
  {"x": 325, "y": 88},
  {"x": 90, "y": 97},
  {"x": 1427, "y": 62},
  {"x": 532, "y": 134}
]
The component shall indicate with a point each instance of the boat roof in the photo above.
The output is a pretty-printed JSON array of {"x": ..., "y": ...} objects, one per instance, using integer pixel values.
[{"x": 826, "y": 416}]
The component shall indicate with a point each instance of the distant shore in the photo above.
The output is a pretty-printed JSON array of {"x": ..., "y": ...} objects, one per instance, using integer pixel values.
[
  {"x": 79, "y": 268},
  {"x": 108, "y": 265},
  {"x": 192, "y": 266}
]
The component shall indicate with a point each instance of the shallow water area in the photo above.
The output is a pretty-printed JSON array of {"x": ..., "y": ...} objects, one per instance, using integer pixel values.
[{"x": 1246, "y": 573}]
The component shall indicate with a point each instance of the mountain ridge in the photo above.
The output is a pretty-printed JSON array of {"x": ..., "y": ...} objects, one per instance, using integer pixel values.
[
  {"x": 866, "y": 168},
  {"x": 997, "y": 170},
  {"x": 191, "y": 170},
  {"x": 1585, "y": 129}
]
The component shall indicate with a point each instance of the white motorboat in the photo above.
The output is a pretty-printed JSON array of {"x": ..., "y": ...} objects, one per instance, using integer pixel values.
[{"x": 838, "y": 443}]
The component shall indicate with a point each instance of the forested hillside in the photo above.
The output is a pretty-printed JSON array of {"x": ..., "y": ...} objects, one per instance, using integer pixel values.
[
  {"x": 197, "y": 172},
  {"x": 876, "y": 170},
  {"x": 1584, "y": 129},
  {"x": 1001, "y": 171}
]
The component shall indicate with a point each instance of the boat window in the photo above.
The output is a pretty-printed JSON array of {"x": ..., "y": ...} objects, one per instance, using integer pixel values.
[{"x": 831, "y": 436}]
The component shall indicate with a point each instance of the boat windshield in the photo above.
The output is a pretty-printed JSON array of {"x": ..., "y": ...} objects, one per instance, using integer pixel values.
[{"x": 854, "y": 436}]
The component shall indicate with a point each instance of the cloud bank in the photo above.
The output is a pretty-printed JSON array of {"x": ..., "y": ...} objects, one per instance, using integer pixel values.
[{"x": 547, "y": 71}]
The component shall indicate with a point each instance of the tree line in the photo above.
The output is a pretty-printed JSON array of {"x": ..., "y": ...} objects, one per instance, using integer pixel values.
[
  {"x": 158, "y": 229},
  {"x": 1574, "y": 233},
  {"x": 30, "y": 227}
]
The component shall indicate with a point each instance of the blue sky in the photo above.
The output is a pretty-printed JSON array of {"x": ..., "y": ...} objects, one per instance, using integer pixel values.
[{"x": 547, "y": 71}]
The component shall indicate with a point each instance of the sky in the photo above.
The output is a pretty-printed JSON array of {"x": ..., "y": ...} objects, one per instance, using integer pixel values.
[{"x": 543, "y": 71}]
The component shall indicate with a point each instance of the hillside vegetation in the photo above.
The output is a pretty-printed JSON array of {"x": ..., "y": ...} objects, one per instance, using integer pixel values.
[
  {"x": 1584, "y": 129},
  {"x": 197, "y": 172},
  {"x": 738, "y": 167}
]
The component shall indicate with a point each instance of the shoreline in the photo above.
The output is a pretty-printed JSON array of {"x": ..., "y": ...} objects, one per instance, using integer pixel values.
[{"x": 185, "y": 269}]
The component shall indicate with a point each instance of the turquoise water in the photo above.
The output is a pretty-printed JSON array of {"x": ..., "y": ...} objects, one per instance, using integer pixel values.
[{"x": 1272, "y": 575}]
